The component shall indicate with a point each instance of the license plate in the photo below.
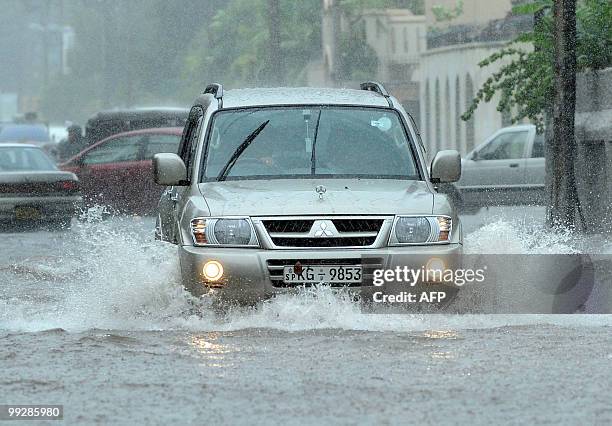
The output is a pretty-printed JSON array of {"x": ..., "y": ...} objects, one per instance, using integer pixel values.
[
  {"x": 333, "y": 274},
  {"x": 27, "y": 213}
]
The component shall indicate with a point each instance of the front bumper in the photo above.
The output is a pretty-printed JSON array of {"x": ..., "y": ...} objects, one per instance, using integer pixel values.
[
  {"x": 49, "y": 207},
  {"x": 252, "y": 274}
]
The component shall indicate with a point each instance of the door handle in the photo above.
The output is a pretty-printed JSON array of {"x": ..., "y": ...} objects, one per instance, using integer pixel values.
[{"x": 514, "y": 165}]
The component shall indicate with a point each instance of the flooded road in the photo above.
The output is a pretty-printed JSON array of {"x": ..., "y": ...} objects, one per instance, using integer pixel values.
[{"x": 95, "y": 319}]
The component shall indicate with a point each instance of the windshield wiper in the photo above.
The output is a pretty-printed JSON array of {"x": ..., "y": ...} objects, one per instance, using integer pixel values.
[
  {"x": 313, "y": 159},
  {"x": 244, "y": 145}
]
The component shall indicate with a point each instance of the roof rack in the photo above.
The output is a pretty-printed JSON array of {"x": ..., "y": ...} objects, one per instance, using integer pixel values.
[
  {"x": 216, "y": 90},
  {"x": 374, "y": 86}
]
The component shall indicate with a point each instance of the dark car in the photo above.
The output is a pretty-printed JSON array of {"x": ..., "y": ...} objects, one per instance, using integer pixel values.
[
  {"x": 118, "y": 170},
  {"x": 33, "y": 190},
  {"x": 108, "y": 123}
]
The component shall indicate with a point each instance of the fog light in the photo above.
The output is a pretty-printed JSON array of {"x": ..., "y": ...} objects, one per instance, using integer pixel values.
[
  {"x": 213, "y": 270},
  {"x": 435, "y": 270}
]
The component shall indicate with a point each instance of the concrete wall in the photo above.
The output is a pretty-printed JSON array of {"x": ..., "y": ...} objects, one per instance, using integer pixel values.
[
  {"x": 398, "y": 38},
  {"x": 449, "y": 79},
  {"x": 594, "y": 138}
]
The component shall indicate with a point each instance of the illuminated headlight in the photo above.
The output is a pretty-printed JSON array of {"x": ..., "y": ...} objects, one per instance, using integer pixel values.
[
  {"x": 420, "y": 230},
  {"x": 232, "y": 232}
]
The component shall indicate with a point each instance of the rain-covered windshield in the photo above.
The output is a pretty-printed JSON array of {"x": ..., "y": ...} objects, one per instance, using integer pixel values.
[
  {"x": 17, "y": 159},
  {"x": 310, "y": 141}
]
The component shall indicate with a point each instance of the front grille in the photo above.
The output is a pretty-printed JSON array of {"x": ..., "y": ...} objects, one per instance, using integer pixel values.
[
  {"x": 325, "y": 242},
  {"x": 298, "y": 225},
  {"x": 323, "y": 232},
  {"x": 369, "y": 264},
  {"x": 357, "y": 225}
]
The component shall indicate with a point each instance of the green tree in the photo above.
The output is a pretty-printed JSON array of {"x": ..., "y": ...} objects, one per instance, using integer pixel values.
[
  {"x": 234, "y": 47},
  {"x": 525, "y": 80}
]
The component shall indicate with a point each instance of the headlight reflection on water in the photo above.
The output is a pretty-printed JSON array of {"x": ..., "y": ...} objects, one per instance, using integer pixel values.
[{"x": 208, "y": 348}]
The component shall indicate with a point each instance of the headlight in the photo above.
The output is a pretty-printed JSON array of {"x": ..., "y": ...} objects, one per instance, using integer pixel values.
[
  {"x": 232, "y": 232},
  {"x": 420, "y": 230}
]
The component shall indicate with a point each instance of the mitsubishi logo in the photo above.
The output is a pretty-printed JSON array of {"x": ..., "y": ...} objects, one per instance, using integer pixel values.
[
  {"x": 323, "y": 229},
  {"x": 321, "y": 190}
]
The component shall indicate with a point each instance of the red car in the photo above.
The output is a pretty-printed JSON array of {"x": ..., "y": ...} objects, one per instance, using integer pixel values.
[{"x": 118, "y": 170}]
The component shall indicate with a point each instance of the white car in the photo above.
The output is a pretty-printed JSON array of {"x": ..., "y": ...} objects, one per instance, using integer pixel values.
[{"x": 506, "y": 169}]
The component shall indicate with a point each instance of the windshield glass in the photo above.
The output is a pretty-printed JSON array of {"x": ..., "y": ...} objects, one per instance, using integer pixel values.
[
  {"x": 332, "y": 142},
  {"x": 24, "y": 159}
]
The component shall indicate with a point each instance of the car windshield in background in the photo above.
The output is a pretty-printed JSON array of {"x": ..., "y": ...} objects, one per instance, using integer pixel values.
[
  {"x": 331, "y": 142},
  {"x": 24, "y": 132},
  {"x": 24, "y": 159}
]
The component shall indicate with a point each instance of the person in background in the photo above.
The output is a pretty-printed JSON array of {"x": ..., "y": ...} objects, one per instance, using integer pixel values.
[{"x": 73, "y": 144}]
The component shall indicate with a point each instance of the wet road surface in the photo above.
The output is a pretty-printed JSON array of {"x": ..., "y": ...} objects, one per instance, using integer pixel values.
[{"x": 94, "y": 319}]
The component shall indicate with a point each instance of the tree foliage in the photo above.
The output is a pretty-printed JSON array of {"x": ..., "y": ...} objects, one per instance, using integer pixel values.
[
  {"x": 234, "y": 47},
  {"x": 444, "y": 14},
  {"x": 525, "y": 80},
  {"x": 143, "y": 52}
]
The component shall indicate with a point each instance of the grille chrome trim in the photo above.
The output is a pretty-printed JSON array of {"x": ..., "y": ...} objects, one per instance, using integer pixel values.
[{"x": 329, "y": 235}]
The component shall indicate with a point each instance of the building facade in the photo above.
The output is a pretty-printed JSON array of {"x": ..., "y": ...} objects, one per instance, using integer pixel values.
[{"x": 450, "y": 77}]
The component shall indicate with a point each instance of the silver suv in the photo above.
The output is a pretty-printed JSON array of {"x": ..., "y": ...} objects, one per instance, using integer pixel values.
[{"x": 277, "y": 188}]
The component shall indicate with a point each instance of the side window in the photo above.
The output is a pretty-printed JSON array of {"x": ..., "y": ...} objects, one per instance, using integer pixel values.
[
  {"x": 507, "y": 146},
  {"x": 190, "y": 137},
  {"x": 538, "y": 146},
  {"x": 160, "y": 143},
  {"x": 115, "y": 151},
  {"x": 416, "y": 130}
]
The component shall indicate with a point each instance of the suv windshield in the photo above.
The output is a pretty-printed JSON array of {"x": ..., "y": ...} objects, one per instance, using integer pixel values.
[{"x": 334, "y": 142}]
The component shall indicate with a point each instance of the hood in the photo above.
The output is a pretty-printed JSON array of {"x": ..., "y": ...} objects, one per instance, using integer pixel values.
[{"x": 298, "y": 197}]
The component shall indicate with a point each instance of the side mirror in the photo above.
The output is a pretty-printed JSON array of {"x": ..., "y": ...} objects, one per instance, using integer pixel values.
[
  {"x": 446, "y": 167},
  {"x": 169, "y": 170},
  {"x": 474, "y": 156}
]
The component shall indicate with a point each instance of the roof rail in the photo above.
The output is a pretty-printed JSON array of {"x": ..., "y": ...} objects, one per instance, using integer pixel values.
[
  {"x": 374, "y": 86},
  {"x": 216, "y": 90}
]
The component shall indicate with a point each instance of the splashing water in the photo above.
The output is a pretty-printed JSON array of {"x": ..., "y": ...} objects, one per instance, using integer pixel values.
[{"x": 110, "y": 274}]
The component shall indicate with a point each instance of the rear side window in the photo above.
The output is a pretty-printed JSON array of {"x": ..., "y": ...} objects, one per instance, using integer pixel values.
[
  {"x": 115, "y": 151},
  {"x": 156, "y": 144},
  {"x": 538, "y": 146},
  {"x": 189, "y": 140},
  {"x": 24, "y": 159},
  {"x": 507, "y": 146}
]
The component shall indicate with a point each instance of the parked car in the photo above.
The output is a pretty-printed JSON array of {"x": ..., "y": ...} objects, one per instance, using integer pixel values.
[
  {"x": 276, "y": 188},
  {"x": 506, "y": 169},
  {"x": 33, "y": 190},
  {"x": 108, "y": 123},
  {"x": 117, "y": 171}
]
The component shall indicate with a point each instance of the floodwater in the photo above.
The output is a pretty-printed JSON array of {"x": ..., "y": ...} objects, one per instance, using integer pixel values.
[{"x": 95, "y": 319}]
